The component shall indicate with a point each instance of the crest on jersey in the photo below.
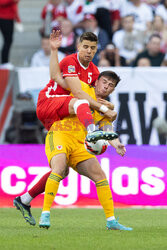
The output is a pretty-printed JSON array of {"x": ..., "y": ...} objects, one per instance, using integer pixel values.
[
  {"x": 71, "y": 69},
  {"x": 59, "y": 147}
]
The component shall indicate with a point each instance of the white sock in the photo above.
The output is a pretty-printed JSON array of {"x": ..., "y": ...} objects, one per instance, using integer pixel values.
[
  {"x": 91, "y": 127},
  {"x": 46, "y": 212},
  {"x": 111, "y": 218},
  {"x": 26, "y": 198}
]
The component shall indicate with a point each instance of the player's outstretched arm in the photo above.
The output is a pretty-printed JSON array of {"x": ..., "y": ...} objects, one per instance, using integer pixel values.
[
  {"x": 55, "y": 74},
  {"x": 120, "y": 148}
]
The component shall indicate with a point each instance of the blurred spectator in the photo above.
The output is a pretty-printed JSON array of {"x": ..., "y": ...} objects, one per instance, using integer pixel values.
[
  {"x": 158, "y": 27},
  {"x": 143, "y": 62},
  {"x": 127, "y": 39},
  {"x": 141, "y": 11},
  {"x": 68, "y": 45},
  {"x": 52, "y": 13},
  {"x": 111, "y": 53},
  {"x": 8, "y": 14},
  {"x": 153, "y": 5},
  {"x": 162, "y": 11},
  {"x": 165, "y": 60},
  {"x": 103, "y": 15},
  {"x": 101, "y": 10},
  {"x": 104, "y": 63},
  {"x": 18, "y": 24},
  {"x": 115, "y": 14},
  {"x": 90, "y": 25},
  {"x": 152, "y": 52},
  {"x": 42, "y": 57},
  {"x": 74, "y": 10}
]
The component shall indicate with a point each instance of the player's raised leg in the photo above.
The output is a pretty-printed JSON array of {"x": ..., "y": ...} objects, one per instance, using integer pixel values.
[
  {"x": 92, "y": 170},
  {"x": 83, "y": 112}
]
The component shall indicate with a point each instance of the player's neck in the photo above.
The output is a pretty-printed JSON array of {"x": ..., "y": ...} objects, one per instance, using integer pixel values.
[{"x": 83, "y": 63}]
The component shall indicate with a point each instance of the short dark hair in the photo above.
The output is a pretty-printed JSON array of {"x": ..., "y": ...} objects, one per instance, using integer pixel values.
[
  {"x": 130, "y": 15},
  {"x": 111, "y": 75},
  {"x": 88, "y": 36},
  {"x": 154, "y": 35}
]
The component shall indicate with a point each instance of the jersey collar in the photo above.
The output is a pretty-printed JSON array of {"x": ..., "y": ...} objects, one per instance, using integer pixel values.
[{"x": 81, "y": 63}]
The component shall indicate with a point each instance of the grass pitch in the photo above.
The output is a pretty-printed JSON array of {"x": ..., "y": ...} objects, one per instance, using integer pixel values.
[{"x": 84, "y": 229}]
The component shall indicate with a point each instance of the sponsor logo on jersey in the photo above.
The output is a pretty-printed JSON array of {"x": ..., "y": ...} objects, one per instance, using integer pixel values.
[
  {"x": 59, "y": 147},
  {"x": 71, "y": 69}
]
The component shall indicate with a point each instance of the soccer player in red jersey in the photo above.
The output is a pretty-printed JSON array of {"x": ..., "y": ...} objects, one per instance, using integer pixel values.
[{"x": 54, "y": 102}]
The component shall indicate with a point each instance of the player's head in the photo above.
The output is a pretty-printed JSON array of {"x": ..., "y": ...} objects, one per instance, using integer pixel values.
[
  {"x": 106, "y": 83},
  {"x": 87, "y": 47},
  {"x": 154, "y": 44}
]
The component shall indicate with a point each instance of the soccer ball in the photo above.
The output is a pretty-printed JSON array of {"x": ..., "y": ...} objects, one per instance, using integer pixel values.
[{"x": 96, "y": 148}]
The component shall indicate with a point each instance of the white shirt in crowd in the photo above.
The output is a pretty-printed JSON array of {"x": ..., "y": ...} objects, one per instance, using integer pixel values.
[
  {"x": 129, "y": 53},
  {"x": 75, "y": 11},
  {"x": 142, "y": 14},
  {"x": 162, "y": 11},
  {"x": 39, "y": 59}
]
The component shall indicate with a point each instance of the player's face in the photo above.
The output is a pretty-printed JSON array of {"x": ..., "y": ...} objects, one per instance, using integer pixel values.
[
  {"x": 87, "y": 50},
  {"x": 104, "y": 87}
]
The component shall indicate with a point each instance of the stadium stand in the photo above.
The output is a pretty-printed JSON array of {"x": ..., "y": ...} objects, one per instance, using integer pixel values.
[{"x": 23, "y": 44}]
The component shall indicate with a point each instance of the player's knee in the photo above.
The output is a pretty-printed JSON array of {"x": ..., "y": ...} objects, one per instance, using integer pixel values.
[
  {"x": 78, "y": 103},
  {"x": 58, "y": 164}
]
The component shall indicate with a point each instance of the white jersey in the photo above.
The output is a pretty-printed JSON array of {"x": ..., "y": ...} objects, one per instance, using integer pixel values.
[
  {"x": 39, "y": 59},
  {"x": 142, "y": 14},
  {"x": 127, "y": 50},
  {"x": 162, "y": 12},
  {"x": 75, "y": 11}
]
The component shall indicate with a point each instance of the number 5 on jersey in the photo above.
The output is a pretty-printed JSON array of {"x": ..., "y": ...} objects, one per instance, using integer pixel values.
[{"x": 89, "y": 77}]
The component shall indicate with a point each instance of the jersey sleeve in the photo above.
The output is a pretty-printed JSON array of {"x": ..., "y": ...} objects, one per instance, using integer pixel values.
[{"x": 69, "y": 67}]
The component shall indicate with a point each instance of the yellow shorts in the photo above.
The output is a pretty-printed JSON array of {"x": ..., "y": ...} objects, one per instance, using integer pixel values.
[{"x": 61, "y": 142}]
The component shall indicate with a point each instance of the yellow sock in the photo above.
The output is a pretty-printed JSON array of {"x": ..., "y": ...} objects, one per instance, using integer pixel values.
[
  {"x": 105, "y": 197},
  {"x": 51, "y": 189}
]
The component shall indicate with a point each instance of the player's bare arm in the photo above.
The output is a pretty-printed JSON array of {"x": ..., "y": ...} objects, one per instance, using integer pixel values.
[
  {"x": 55, "y": 74},
  {"x": 120, "y": 148},
  {"x": 106, "y": 103}
]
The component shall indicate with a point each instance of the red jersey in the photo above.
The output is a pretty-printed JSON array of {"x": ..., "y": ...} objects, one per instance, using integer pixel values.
[
  {"x": 56, "y": 11},
  {"x": 70, "y": 66},
  {"x": 8, "y": 9},
  {"x": 53, "y": 100},
  {"x": 50, "y": 101}
]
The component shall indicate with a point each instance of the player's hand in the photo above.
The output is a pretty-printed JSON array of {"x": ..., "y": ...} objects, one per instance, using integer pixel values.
[
  {"x": 121, "y": 150},
  {"x": 106, "y": 103},
  {"x": 111, "y": 115},
  {"x": 55, "y": 39}
]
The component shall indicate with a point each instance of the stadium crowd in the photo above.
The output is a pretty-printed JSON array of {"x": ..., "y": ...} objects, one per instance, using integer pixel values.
[
  {"x": 123, "y": 28},
  {"x": 127, "y": 30}
]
